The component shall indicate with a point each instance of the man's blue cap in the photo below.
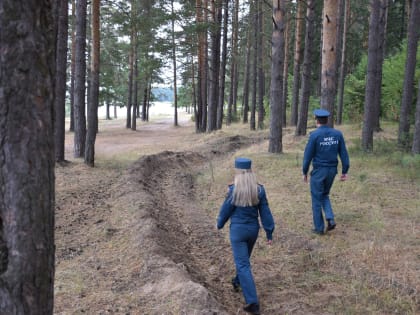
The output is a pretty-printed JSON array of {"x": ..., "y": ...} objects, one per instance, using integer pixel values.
[
  {"x": 243, "y": 163},
  {"x": 321, "y": 113}
]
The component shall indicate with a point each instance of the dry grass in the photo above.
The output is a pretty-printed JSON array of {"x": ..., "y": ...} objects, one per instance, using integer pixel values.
[{"x": 370, "y": 263}]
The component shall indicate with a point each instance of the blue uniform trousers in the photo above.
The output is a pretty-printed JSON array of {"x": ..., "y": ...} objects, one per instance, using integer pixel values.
[
  {"x": 242, "y": 239},
  {"x": 322, "y": 179}
]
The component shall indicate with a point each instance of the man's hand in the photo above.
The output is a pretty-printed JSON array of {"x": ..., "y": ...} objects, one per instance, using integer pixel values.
[
  {"x": 305, "y": 178},
  {"x": 343, "y": 177}
]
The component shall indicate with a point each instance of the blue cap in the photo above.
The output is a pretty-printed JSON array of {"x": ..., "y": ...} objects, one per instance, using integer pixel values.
[
  {"x": 243, "y": 163},
  {"x": 321, "y": 113}
]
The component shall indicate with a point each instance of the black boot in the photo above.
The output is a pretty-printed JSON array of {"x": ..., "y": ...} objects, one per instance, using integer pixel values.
[
  {"x": 235, "y": 285},
  {"x": 331, "y": 224},
  {"x": 253, "y": 308}
]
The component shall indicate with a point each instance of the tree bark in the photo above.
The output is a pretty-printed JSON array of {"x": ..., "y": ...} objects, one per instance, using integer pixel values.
[
  {"x": 247, "y": 70},
  {"x": 80, "y": 80},
  {"x": 215, "y": 34},
  {"x": 410, "y": 67},
  {"x": 277, "y": 67},
  {"x": 342, "y": 73},
  {"x": 307, "y": 69},
  {"x": 286, "y": 68},
  {"x": 174, "y": 65},
  {"x": 416, "y": 137},
  {"x": 372, "y": 73},
  {"x": 261, "y": 75},
  {"x": 73, "y": 63},
  {"x": 28, "y": 33},
  {"x": 94, "y": 87},
  {"x": 329, "y": 64},
  {"x": 254, "y": 66},
  {"x": 222, "y": 71},
  {"x": 297, "y": 62},
  {"x": 60, "y": 81}
]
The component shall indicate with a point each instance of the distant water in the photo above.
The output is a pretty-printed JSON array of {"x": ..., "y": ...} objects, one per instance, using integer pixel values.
[{"x": 157, "y": 109}]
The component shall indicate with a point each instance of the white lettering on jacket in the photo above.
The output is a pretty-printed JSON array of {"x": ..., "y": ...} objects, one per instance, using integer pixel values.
[{"x": 328, "y": 141}]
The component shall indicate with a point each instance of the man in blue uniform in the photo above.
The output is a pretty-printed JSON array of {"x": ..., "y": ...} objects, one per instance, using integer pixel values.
[{"x": 322, "y": 149}]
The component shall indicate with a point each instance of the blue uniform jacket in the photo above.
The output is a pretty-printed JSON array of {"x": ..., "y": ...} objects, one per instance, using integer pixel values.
[
  {"x": 324, "y": 144},
  {"x": 247, "y": 215}
]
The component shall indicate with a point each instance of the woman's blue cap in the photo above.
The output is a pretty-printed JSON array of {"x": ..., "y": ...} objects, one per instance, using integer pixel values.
[
  {"x": 321, "y": 113},
  {"x": 243, "y": 163}
]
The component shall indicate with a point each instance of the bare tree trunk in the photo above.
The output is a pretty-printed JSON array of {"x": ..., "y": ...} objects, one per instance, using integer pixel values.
[
  {"x": 381, "y": 55},
  {"x": 245, "y": 105},
  {"x": 214, "y": 64},
  {"x": 73, "y": 63},
  {"x": 307, "y": 69},
  {"x": 222, "y": 72},
  {"x": 410, "y": 67},
  {"x": 277, "y": 67},
  {"x": 416, "y": 137},
  {"x": 201, "y": 7},
  {"x": 372, "y": 73},
  {"x": 340, "y": 105},
  {"x": 261, "y": 75},
  {"x": 254, "y": 68},
  {"x": 80, "y": 80},
  {"x": 60, "y": 81},
  {"x": 174, "y": 65},
  {"x": 297, "y": 62},
  {"x": 286, "y": 68},
  {"x": 329, "y": 65},
  {"x": 135, "y": 89},
  {"x": 94, "y": 88},
  {"x": 27, "y": 193}
]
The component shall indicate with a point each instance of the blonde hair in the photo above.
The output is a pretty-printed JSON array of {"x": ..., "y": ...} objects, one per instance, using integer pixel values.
[{"x": 245, "y": 192}]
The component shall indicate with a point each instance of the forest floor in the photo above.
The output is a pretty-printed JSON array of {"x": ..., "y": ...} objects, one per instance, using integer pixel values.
[{"x": 136, "y": 234}]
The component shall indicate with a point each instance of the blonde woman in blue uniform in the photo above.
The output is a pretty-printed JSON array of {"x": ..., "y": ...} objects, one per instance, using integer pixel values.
[
  {"x": 245, "y": 203},
  {"x": 322, "y": 149}
]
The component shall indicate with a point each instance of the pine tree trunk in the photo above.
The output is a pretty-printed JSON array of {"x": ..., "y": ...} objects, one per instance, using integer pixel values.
[
  {"x": 416, "y": 137},
  {"x": 261, "y": 75},
  {"x": 73, "y": 63},
  {"x": 297, "y": 62},
  {"x": 135, "y": 90},
  {"x": 307, "y": 69},
  {"x": 372, "y": 73},
  {"x": 410, "y": 67},
  {"x": 28, "y": 33},
  {"x": 94, "y": 88},
  {"x": 254, "y": 67},
  {"x": 329, "y": 65},
  {"x": 247, "y": 70},
  {"x": 340, "y": 105},
  {"x": 60, "y": 81},
  {"x": 381, "y": 55},
  {"x": 277, "y": 67},
  {"x": 222, "y": 71},
  {"x": 286, "y": 68},
  {"x": 174, "y": 65},
  {"x": 214, "y": 65},
  {"x": 80, "y": 80}
]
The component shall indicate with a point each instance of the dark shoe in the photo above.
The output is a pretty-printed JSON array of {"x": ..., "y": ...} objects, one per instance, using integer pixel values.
[
  {"x": 331, "y": 225},
  {"x": 236, "y": 286},
  {"x": 318, "y": 232},
  {"x": 252, "y": 308}
]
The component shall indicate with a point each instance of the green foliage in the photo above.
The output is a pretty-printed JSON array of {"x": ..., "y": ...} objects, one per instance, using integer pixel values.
[
  {"x": 354, "y": 92},
  {"x": 393, "y": 72}
]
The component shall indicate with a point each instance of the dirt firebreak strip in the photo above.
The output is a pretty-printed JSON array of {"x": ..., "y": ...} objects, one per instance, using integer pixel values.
[{"x": 177, "y": 238}]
